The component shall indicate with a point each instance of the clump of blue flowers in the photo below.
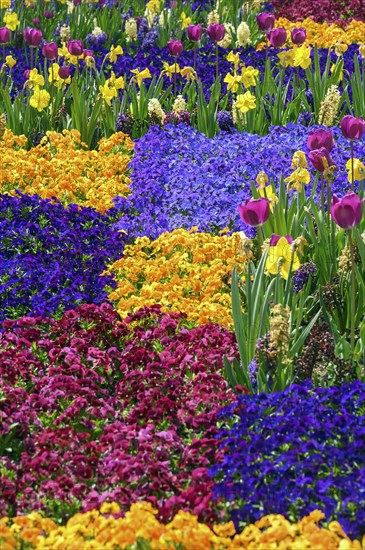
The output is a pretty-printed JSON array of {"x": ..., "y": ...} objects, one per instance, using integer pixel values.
[{"x": 295, "y": 451}]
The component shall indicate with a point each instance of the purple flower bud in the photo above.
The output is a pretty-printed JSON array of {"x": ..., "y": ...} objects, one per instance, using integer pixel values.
[
  {"x": 26, "y": 74},
  {"x": 298, "y": 36},
  {"x": 4, "y": 35},
  {"x": 265, "y": 21},
  {"x": 88, "y": 53},
  {"x": 347, "y": 211},
  {"x": 48, "y": 14},
  {"x": 216, "y": 32},
  {"x": 320, "y": 138},
  {"x": 254, "y": 212},
  {"x": 278, "y": 37},
  {"x": 175, "y": 47},
  {"x": 50, "y": 50},
  {"x": 64, "y": 72},
  {"x": 352, "y": 128},
  {"x": 195, "y": 32},
  {"x": 276, "y": 238},
  {"x": 77, "y": 2},
  {"x": 33, "y": 37},
  {"x": 316, "y": 157},
  {"x": 36, "y": 22},
  {"x": 75, "y": 47}
]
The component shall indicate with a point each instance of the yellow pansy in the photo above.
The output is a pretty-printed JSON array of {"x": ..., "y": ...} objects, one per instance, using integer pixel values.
[
  {"x": 40, "y": 99},
  {"x": 248, "y": 76},
  {"x": 169, "y": 70},
  {"x": 10, "y": 61},
  {"x": 141, "y": 75},
  {"x": 234, "y": 58},
  {"x": 245, "y": 102},
  {"x": 286, "y": 58},
  {"x": 185, "y": 21},
  {"x": 281, "y": 257},
  {"x": 359, "y": 170},
  {"x": 302, "y": 57},
  {"x": 11, "y": 20},
  {"x": 114, "y": 52},
  {"x": 232, "y": 81}
]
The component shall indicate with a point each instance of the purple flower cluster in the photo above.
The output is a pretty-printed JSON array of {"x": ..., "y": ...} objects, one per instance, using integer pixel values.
[
  {"x": 51, "y": 257},
  {"x": 181, "y": 178},
  {"x": 295, "y": 451},
  {"x": 98, "y": 409}
]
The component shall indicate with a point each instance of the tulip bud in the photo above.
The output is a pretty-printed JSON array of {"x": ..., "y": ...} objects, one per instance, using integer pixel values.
[
  {"x": 347, "y": 211},
  {"x": 4, "y": 35},
  {"x": 50, "y": 50},
  {"x": 320, "y": 138},
  {"x": 175, "y": 47},
  {"x": 87, "y": 53},
  {"x": 75, "y": 47},
  {"x": 48, "y": 14},
  {"x": 278, "y": 37},
  {"x": 216, "y": 32},
  {"x": 254, "y": 212},
  {"x": 64, "y": 72},
  {"x": 352, "y": 128},
  {"x": 276, "y": 238},
  {"x": 321, "y": 159},
  {"x": 33, "y": 37},
  {"x": 195, "y": 32},
  {"x": 265, "y": 21},
  {"x": 298, "y": 36},
  {"x": 36, "y": 22},
  {"x": 26, "y": 74}
]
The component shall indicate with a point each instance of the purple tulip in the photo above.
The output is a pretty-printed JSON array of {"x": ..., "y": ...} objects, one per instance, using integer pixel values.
[
  {"x": 33, "y": 37},
  {"x": 50, "y": 50},
  {"x": 316, "y": 157},
  {"x": 320, "y": 138},
  {"x": 352, "y": 128},
  {"x": 88, "y": 53},
  {"x": 254, "y": 212},
  {"x": 36, "y": 22},
  {"x": 175, "y": 47},
  {"x": 4, "y": 35},
  {"x": 216, "y": 32},
  {"x": 64, "y": 72},
  {"x": 77, "y": 2},
  {"x": 278, "y": 37},
  {"x": 195, "y": 32},
  {"x": 347, "y": 212},
  {"x": 276, "y": 238},
  {"x": 75, "y": 47},
  {"x": 26, "y": 74},
  {"x": 48, "y": 14},
  {"x": 265, "y": 21},
  {"x": 298, "y": 36}
]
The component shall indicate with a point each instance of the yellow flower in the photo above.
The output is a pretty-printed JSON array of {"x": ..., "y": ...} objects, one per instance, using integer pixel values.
[
  {"x": 359, "y": 170},
  {"x": 154, "y": 6},
  {"x": 10, "y": 61},
  {"x": 248, "y": 76},
  {"x": 245, "y": 102},
  {"x": 185, "y": 21},
  {"x": 233, "y": 58},
  {"x": 302, "y": 57},
  {"x": 141, "y": 75},
  {"x": 11, "y": 20},
  {"x": 281, "y": 257},
  {"x": 296, "y": 180},
  {"x": 5, "y": 4},
  {"x": 286, "y": 58},
  {"x": 269, "y": 193},
  {"x": 299, "y": 160},
  {"x": 117, "y": 83},
  {"x": 262, "y": 179},
  {"x": 108, "y": 93},
  {"x": 35, "y": 79},
  {"x": 340, "y": 49},
  {"x": 340, "y": 76},
  {"x": 63, "y": 51},
  {"x": 170, "y": 69},
  {"x": 40, "y": 99},
  {"x": 232, "y": 81},
  {"x": 114, "y": 52},
  {"x": 362, "y": 50},
  {"x": 188, "y": 73}
]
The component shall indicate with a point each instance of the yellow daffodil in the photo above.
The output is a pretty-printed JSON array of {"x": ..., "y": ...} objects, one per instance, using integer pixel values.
[
  {"x": 117, "y": 83},
  {"x": 5, "y": 4},
  {"x": 297, "y": 179},
  {"x": 280, "y": 257},
  {"x": 154, "y": 6},
  {"x": 169, "y": 70},
  {"x": 54, "y": 78},
  {"x": 248, "y": 76},
  {"x": 11, "y": 20},
  {"x": 108, "y": 93},
  {"x": 234, "y": 58},
  {"x": 340, "y": 49},
  {"x": 359, "y": 170},
  {"x": 268, "y": 192},
  {"x": 362, "y": 50},
  {"x": 40, "y": 99},
  {"x": 10, "y": 61},
  {"x": 141, "y": 75},
  {"x": 286, "y": 58},
  {"x": 232, "y": 81},
  {"x": 340, "y": 76},
  {"x": 63, "y": 51},
  {"x": 302, "y": 57},
  {"x": 299, "y": 160},
  {"x": 35, "y": 79},
  {"x": 185, "y": 21},
  {"x": 245, "y": 102},
  {"x": 188, "y": 73},
  {"x": 114, "y": 52},
  {"x": 262, "y": 179}
]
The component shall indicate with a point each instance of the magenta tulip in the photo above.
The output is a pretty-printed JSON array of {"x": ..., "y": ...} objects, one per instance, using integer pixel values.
[
  {"x": 298, "y": 36},
  {"x": 317, "y": 159},
  {"x": 347, "y": 212},
  {"x": 36, "y": 21},
  {"x": 48, "y": 14},
  {"x": 195, "y": 32},
  {"x": 254, "y": 212},
  {"x": 26, "y": 74},
  {"x": 276, "y": 238},
  {"x": 33, "y": 37},
  {"x": 216, "y": 32},
  {"x": 75, "y": 47},
  {"x": 265, "y": 21},
  {"x": 64, "y": 72},
  {"x": 4, "y": 35},
  {"x": 175, "y": 47},
  {"x": 50, "y": 50},
  {"x": 88, "y": 53},
  {"x": 320, "y": 138},
  {"x": 352, "y": 128},
  {"x": 278, "y": 37}
]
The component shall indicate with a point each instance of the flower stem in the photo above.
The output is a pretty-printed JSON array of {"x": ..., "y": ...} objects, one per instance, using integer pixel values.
[
  {"x": 216, "y": 61},
  {"x": 352, "y": 165},
  {"x": 353, "y": 295},
  {"x": 195, "y": 56}
]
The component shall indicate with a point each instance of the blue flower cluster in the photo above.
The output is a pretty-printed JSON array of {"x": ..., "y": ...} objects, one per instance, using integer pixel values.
[
  {"x": 181, "y": 178},
  {"x": 51, "y": 257},
  {"x": 294, "y": 451}
]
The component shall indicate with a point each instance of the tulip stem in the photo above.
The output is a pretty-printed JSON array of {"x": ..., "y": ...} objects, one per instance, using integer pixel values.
[
  {"x": 328, "y": 201},
  {"x": 216, "y": 61},
  {"x": 322, "y": 194},
  {"x": 353, "y": 294},
  {"x": 352, "y": 165},
  {"x": 194, "y": 56},
  {"x": 259, "y": 243},
  {"x": 31, "y": 57}
]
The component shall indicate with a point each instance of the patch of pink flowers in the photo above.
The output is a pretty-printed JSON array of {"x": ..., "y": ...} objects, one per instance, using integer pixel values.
[
  {"x": 330, "y": 11},
  {"x": 96, "y": 409}
]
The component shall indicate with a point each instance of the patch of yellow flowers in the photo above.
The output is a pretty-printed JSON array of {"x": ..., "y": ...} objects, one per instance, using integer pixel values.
[
  {"x": 184, "y": 271},
  {"x": 100, "y": 530},
  {"x": 62, "y": 166}
]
